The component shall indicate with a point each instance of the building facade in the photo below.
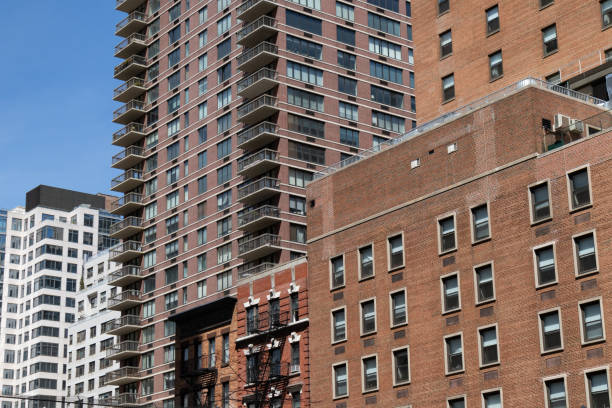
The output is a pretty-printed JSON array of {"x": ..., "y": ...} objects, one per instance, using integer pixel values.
[
  {"x": 48, "y": 241},
  {"x": 217, "y": 194},
  {"x": 3, "y": 224},
  {"x": 469, "y": 49},
  {"x": 479, "y": 277}
]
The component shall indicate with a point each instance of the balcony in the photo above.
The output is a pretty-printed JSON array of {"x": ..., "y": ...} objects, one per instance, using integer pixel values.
[
  {"x": 257, "y": 136},
  {"x": 124, "y": 276},
  {"x": 132, "y": 110},
  {"x": 131, "y": 67},
  {"x": 126, "y": 227},
  {"x": 128, "y": 158},
  {"x": 271, "y": 373},
  {"x": 258, "y": 190},
  {"x": 125, "y": 349},
  {"x": 257, "y": 83},
  {"x": 125, "y": 251},
  {"x": 251, "y": 9},
  {"x": 246, "y": 271},
  {"x": 134, "y": 22},
  {"x": 128, "y": 135},
  {"x": 257, "y": 57},
  {"x": 257, "y": 110},
  {"x": 127, "y": 204},
  {"x": 123, "y": 325},
  {"x": 250, "y": 248},
  {"x": 127, "y": 181},
  {"x": 257, "y": 31},
  {"x": 130, "y": 46},
  {"x": 127, "y": 399},
  {"x": 258, "y": 163},
  {"x": 259, "y": 218},
  {"x": 128, "y": 5},
  {"x": 124, "y": 300},
  {"x": 124, "y": 375},
  {"x": 131, "y": 89}
]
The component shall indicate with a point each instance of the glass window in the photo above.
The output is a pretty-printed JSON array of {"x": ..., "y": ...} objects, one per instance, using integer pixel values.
[
  {"x": 385, "y": 48},
  {"x": 303, "y": 22},
  {"x": 348, "y": 111},
  {"x": 392, "y": 5},
  {"x": 592, "y": 321},
  {"x": 385, "y": 72},
  {"x": 307, "y": 126},
  {"x": 545, "y": 264},
  {"x": 386, "y": 96},
  {"x": 549, "y": 39},
  {"x": 346, "y": 60},
  {"x": 606, "y": 13},
  {"x": 370, "y": 374},
  {"x": 388, "y": 122},
  {"x": 598, "y": 389},
  {"x": 448, "y": 88},
  {"x": 202, "y": 62},
  {"x": 580, "y": 194},
  {"x": 480, "y": 222},
  {"x": 347, "y": 85},
  {"x": 450, "y": 293},
  {"x": 304, "y": 99},
  {"x": 224, "y": 24},
  {"x": 488, "y": 346},
  {"x": 368, "y": 317},
  {"x": 299, "y": 178},
  {"x": 496, "y": 68},
  {"x": 304, "y": 73},
  {"x": 306, "y": 152},
  {"x": 550, "y": 325},
  {"x": 337, "y": 272},
  {"x": 313, "y": 4},
  {"x": 345, "y": 35},
  {"x": 484, "y": 283},
  {"x": 443, "y": 6},
  {"x": 398, "y": 308},
  {"x": 540, "y": 202},
  {"x": 340, "y": 381},
  {"x": 492, "y": 19},
  {"x": 492, "y": 399},
  {"x": 446, "y": 228},
  {"x": 446, "y": 44},
  {"x": 349, "y": 136},
  {"x": 345, "y": 11},
  {"x": 586, "y": 258},
  {"x": 384, "y": 24}
]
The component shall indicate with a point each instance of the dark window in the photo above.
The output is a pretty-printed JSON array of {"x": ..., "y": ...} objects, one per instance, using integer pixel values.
[
  {"x": 346, "y": 60},
  {"x": 496, "y": 67},
  {"x": 450, "y": 295},
  {"x": 385, "y": 72},
  {"x": 492, "y": 19},
  {"x": 224, "y": 73},
  {"x": 306, "y": 126},
  {"x": 303, "y": 22},
  {"x": 454, "y": 354},
  {"x": 392, "y": 5},
  {"x": 224, "y": 48},
  {"x": 308, "y": 153},
  {"x": 549, "y": 39},
  {"x": 446, "y": 44},
  {"x": 484, "y": 283},
  {"x": 345, "y": 35},
  {"x": 347, "y": 85},
  {"x": 606, "y": 13},
  {"x": 579, "y": 188},
  {"x": 551, "y": 330},
  {"x": 448, "y": 88},
  {"x": 586, "y": 259},
  {"x": 443, "y": 6},
  {"x": 304, "y": 47},
  {"x": 349, "y": 136},
  {"x": 386, "y": 96},
  {"x": 384, "y": 24},
  {"x": 540, "y": 204}
]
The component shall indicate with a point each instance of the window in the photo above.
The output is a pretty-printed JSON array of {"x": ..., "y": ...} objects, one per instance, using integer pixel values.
[
  {"x": 224, "y": 122},
  {"x": 384, "y": 24},
  {"x": 550, "y": 331},
  {"x": 606, "y": 13},
  {"x": 224, "y": 174},
  {"x": 148, "y": 309},
  {"x": 544, "y": 3},
  {"x": 346, "y": 60},
  {"x": 368, "y": 316},
  {"x": 224, "y": 200},
  {"x": 485, "y": 288},
  {"x": 337, "y": 272},
  {"x": 314, "y": 4},
  {"x": 304, "y": 99},
  {"x": 303, "y": 22},
  {"x": 348, "y": 111},
  {"x": 174, "y": 35},
  {"x": 451, "y": 300},
  {"x": 453, "y": 346},
  {"x": 366, "y": 262},
  {"x": 549, "y": 39},
  {"x": 299, "y": 178},
  {"x": 172, "y": 249},
  {"x": 585, "y": 250},
  {"x": 578, "y": 187},
  {"x": 398, "y": 308},
  {"x": 171, "y": 300},
  {"x": 201, "y": 262},
  {"x": 172, "y": 175},
  {"x": 172, "y": 200},
  {"x": 385, "y": 48},
  {"x": 224, "y": 73},
  {"x": 446, "y": 44},
  {"x": 171, "y": 275},
  {"x": 297, "y": 233},
  {"x": 304, "y": 47},
  {"x": 492, "y": 399},
  {"x": 224, "y": 97},
  {"x": 544, "y": 259},
  {"x": 385, "y": 72},
  {"x": 307, "y": 153},
  {"x": 598, "y": 389},
  {"x": 340, "y": 380},
  {"x": 224, "y": 25},
  {"x": 338, "y": 325},
  {"x": 448, "y": 88},
  {"x": 591, "y": 319},
  {"x": 396, "y": 251},
  {"x": 347, "y": 85},
  {"x": 173, "y": 150},
  {"x": 224, "y": 253},
  {"x": 345, "y": 11},
  {"x": 446, "y": 231},
  {"x": 539, "y": 202},
  {"x": 224, "y": 280},
  {"x": 489, "y": 352},
  {"x": 201, "y": 236},
  {"x": 224, "y": 226},
  {"x": 345, "y": 35},
  {"x": 386, "y": 96},
  {"x": 202, "y": 62},
  {"x": 555, "y": 393},
  {"x": 202, "y": 110},
  {"x": 496, "y": 68},
  {"x": 224, "y": 48},
  {"x": 492, "y": 20},
  {"x": 480, "y": 223},
  {"x": 349, "y": 136},
  {"x": 174, "y": 57},
  {"x": 304, "y": 73},
  {"x": 388, "y": 122},
  {"x": 370, "y": 373},
  {"x": 392, "y": 5},
  {"x": 443, "y": 6}
]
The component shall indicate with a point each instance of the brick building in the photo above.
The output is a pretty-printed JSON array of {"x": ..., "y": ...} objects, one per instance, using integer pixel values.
[
  {"x": 468, "y": 264},
  {"x": 467, "y": 49}
]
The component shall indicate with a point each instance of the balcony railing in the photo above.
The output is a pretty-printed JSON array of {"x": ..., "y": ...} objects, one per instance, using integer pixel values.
[
  {"x": 128, "y": 5},
  {"x": 198, "y": 365},
  {"x": 122, "y": 376},
  {"x": 125, "y": 251},
  {"x": 249, "y": 54},
  {"x": 126, "y": 298},
  {"x": 127, "y": 273},
  {"x": 130, "y": 198},
  {"x": 135, "y": 38},
  {"x": 246, "y": 271},
  {"x": 274, "y": 372},
  {"x": 245, "y": 111},
  {"x": 129, "y": 151},
  {"x": 266, "y": 321},
  {"x": 128, "y": 134},
  {"x": 263, "y": 21},
  {"x": 257, "y": 185},
  {"x": 262, "y": 155},
  {"x": 258, "y": 213},
  {"x": 132, "y": 82},
  {"x": 248, "y": 243},
  {"x": 262, "y": 74},
  {"x": 121, "y": 324},
  {"x": 251, "y": 6},
  {"x": 121, "y": 348},
  {"x": 132, "y": 60},
  {"x": 134, "y": 16},
  {"x": 126, "y": 223},
  {"x": 259, "y": 130},
  {"x": 134, "y": 106},
  {"x": 127, "y": 175}
]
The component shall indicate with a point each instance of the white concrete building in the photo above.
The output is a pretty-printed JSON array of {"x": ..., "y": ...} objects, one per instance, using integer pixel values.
[{"x": 46, "y": 245}]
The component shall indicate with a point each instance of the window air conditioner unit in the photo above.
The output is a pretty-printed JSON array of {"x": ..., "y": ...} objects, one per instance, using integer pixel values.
[
  {"x": 561, "y": 121},
  {"x": 576, "y": 126}
]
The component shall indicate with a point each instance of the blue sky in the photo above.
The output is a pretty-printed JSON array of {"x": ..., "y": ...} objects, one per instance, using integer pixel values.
[{"x": 56, "y": 103}]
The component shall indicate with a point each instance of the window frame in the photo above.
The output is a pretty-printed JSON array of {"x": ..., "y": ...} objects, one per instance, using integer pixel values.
[
  {"x": 569, "y": 188},
  {"x": 491, "y": 32},
  {"x": 446, "y": 355},
  {"x": 405, "y": 322},
  {"x": 442, "y": 54},
  {"x": 393, "y": 368},
  {"x": 605, "y": 368},
  {"x": 473, "y": 225},
  {"x": 536, "y": 266},
  {"x": 456, "y": 398},
  {"x": 489, "y": 391},
  {"x": 331, "y": 272},
  {"x": 442, "y": 293},
  {"x": 331, "y": 315},
  {"x": 333, "y": 377},
  {"x": 544, "y": 52},
  {"x": 361, "y": 277},
  {"x": 531, "y": 202},
  {"x": 439, "y": 220},
  {"x": 577, "y": 273},
  {"x": 480, "y": 355},
  {"x": 474, "y": 268},
  {"x": 363, "y": 376},
  {"x": 374, "y": 331},
  {"x": 553, "y": 378},
  {"x": 584, "y": 342},
  {"x": 541, "y": 330},
  {"x": 389, "y": 267}
]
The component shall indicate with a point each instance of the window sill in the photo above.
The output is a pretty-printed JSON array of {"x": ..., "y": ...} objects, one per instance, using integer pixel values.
[
  {"x": 367, "y": 278},
  {"x": 486, "y": 302},
  {"x": 397, "y": 326},
  {"x": 337, "y": 288},
  {"x": 586, "y": 274},
  {"x": 546, "y": 285},
  {"x": 492, "y": 33},
  {"x": 396, "y": 268},
  {"x": 550, "y": 53},
  {"x": 335, "y": 343},
  {"x": 480, "y": 241},
  {"x": 340, "y": 397},
  {"x": 362, "y": 335},
  {"x": 448, "y": 251},
  {"x": 547, "y": 6},
  {"x": 447, "y": 312},
  {"x": 444, "y": 102},
  {"x": 446, "y": 56},
  {"x": 496, "y": 78},
  {"x": 580, "y": 208},
  {"x": 448, "y": 374},
  {"x": 369, "y": 391},
  {"x": 591, "y": 342},
  {"x": 552, "y": 351},
  {"x": 443, "y": 13},
  {"x": 542, "y": 221},
  {"x": 400, "y": 384},
  {"x": 489, "y": 365},
  {"x": 606, "y": 27}
]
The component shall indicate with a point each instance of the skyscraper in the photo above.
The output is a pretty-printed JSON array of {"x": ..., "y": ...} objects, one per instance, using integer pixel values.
[{"x": 229, "y": 108}]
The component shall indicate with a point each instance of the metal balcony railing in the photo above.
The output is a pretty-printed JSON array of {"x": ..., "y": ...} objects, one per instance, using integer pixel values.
[
  {"x": 131, "y": 105},
  {"x": 128, "y": 151},
  {"x": 129, "y": 174},
  {"x": 134, "y": 59},
  {"x": 123, "y": 372},
  {"x": 134, "y": 38},
  {"x": 130, "y": 127},
  {"x": 264, "y": 154},
  {"x": 130, "y": 198},
  {"x": 124, "y": 346},
  {"x": 250, "y": 3},
  {"x": 246, "y": 271},
  {"x": 133, "y": 16},
  {"x": 275, "y": 371},
  {"x": 126, "y": 271},
  {"x": 125, "y": 223},
  {"x": 258, "y": 49},
  {"x": 264, "y": 73},
  {"x": 198, "y": 364},
  {"x": 263, "y": 100},
  {"x": 125, "y": 296},
  {"x": 249, "y": 243},
  {"x": 257, "y": 185},
  {"x": 253, "y": 215},
  {"x": 263, "y": 21},
  {"x": 135, "y": 81},
  {"x": 255, "y": 131},
  {"x": 124, "y": 247},
  {"x": 123, "y": 321}
]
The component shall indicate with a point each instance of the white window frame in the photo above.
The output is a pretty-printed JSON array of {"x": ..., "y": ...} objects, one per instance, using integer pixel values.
[
  {"x": 363, "y": 390},
  {"x": 603, "y": 321},
  {"x": 569, "y": 188},
  {"x": 455, "y": 398},
  {"x": 407, "y": 348},
  {"x": 442, "y": 292},
  {"x": 331, "y": 272},
  {"x": 478, "y": 330},
  {"x": 491, "y": 390},
  {"x": 446, "y": 370},
  {"x": 605, "y": 368},
  {"x": 331, "y": 316},
  {"x": 361, "y": 302},
  {"x": 555, "y": 377},
  {"x": 541, "y": 330},
  {"x": 531, "y": 203},
  {"x": 439, "y": 237},
  {"x": 494, "y": 298},
  {"x": 575, "y": 252},
  {"x": 371, "y": 244},
  {"x": 389, "y": 268},
  {"x": 391, "y": 307},
  {"x": 472, "y": 225},
  {"x": 535, "y": 264},
  {"x": 333, "y": 377}
]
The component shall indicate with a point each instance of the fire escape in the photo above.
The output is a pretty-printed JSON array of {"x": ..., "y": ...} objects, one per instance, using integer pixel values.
[{"x": 199, "y": 375}]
